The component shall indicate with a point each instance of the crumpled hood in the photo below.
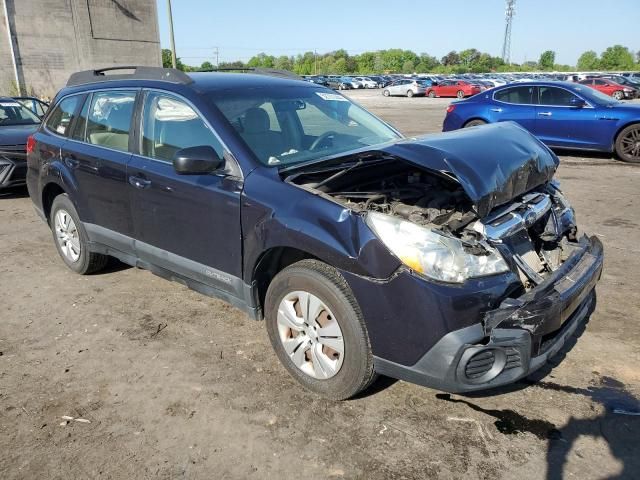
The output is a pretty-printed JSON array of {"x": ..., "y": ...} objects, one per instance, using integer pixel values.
[{"x": 494, "y": 163}]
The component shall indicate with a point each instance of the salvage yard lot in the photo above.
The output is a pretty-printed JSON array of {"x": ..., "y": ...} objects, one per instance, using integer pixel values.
[{"x": 176, "y": 384}]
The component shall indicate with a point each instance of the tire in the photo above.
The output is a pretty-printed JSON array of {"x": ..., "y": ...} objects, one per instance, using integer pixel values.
[
  {"x": 322, "y": 282},
  {"x": 618, "y": 95},
  {"x": 474, "y": 123},
  {"x": 628, "y": 144},
  {"x": 460, "y": 94},
  {"x": 340, "y": 87},
  {"x": 81, "y": 260},
  {"x": 432, "y": 94},
  {"x": 410, "y": 93},
  {"x": 386, "y": 93}
]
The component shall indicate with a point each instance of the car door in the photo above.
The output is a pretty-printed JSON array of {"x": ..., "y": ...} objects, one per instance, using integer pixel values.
[
  {"x": 97, "y": 153},
  {"x": 188, "y": 224},
  {"x": 515, "y": 104},
  {"x": 564, "y": 119}
]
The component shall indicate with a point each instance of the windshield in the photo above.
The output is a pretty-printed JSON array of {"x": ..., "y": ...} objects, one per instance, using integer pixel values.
[
  {"x": 285, "y": 126},
  {"x": 13, "y": 113}
]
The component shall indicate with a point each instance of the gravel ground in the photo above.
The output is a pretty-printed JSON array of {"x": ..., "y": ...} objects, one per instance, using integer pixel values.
[{"x": 174, "y": 384}]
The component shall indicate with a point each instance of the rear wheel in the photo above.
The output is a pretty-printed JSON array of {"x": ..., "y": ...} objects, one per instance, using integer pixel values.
[
  {"x": 409, "y": 93},
  {"x": 317, "y": 330},
  {"x": 618, "y": 95},
  {"x": 628, "y": 144},
  {"x": 71, "y": 239},
  {"x": 432, "y": 94},
  {"x": 386, "y": 93},
  {"x": 460, "y": 94},
  {"x": 474, "y": 123}
]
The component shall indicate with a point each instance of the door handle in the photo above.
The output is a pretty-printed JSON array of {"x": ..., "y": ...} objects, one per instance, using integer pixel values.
[
  {"x": 71, "y": 161},
  {"x": 139, "y": 182},
  {"x": 496, "y": 110},
  {"x": 545, "y": 114}
]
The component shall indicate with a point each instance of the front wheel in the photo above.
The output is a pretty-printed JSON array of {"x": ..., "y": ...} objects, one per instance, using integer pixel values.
[
  {"x": 386, "y": 93},
  {"x": 316, "y": 328},
  {"x": 460, "y": 94},
  {"x": 71, "y": 239},
  {"x": 432, "y": 94},
  {"x": 628, "y": 144},
  {"x": 618, "y": 95}
]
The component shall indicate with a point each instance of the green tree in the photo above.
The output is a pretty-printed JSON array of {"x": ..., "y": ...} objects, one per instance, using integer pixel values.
[
  {"x": 588, "y": 61},
  {"x": 166, "y": 61},
  {"x": 206, "y": 66},
  {"x": 616, "y": 58},
  {"x": 451, "y": 58},
  {"x": 469, "y": 57},
  {"x": 547, "y": 60},
  {"x": 262, "y": 60},
  {"x": 283, "y": 63}
]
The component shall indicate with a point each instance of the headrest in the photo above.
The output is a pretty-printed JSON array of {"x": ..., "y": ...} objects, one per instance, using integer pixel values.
[{"x": 256, "y": 120}]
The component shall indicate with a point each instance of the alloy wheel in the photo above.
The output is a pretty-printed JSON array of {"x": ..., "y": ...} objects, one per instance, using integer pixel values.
[
  {"x": 460, "y": 94},
  {"x": 310, "y": 335},
  {"x": 67, "y": 235},
  {"x": 618, "y": 95},
  {"x": 631, "y": 144}
]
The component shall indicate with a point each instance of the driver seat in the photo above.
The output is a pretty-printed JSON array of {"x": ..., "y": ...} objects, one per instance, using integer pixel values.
[{"x": 257, "y": 133}]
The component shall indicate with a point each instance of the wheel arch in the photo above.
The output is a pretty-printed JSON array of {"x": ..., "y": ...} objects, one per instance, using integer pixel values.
[
  {"x": 476, "y": 117},
  {"x": 269, "y": 264},
  {"x": 49, "y": 193}
]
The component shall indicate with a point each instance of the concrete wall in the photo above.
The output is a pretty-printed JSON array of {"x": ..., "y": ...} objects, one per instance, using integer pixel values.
[{"x": 53, "y": 38}]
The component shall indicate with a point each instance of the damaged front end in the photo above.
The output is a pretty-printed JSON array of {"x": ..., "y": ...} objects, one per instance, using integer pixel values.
[{"x": 449, "y": 221}]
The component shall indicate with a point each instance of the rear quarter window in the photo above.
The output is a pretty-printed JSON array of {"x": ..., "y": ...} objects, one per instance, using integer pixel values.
[{"x": 62, "y": 115}]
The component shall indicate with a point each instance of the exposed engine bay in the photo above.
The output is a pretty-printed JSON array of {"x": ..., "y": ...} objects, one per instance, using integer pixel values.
[{"x": 535, "y": 233}]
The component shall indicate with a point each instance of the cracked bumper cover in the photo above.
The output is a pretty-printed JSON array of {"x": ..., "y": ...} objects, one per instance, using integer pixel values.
[{"x": 514, "y": 339}]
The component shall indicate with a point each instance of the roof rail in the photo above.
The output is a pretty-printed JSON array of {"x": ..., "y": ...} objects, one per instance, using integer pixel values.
[
  {"x": 272, "y": 72},
  {"x": 139, "y": 73}
]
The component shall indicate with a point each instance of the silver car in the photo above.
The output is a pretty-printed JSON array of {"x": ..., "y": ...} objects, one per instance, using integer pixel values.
[{"x": 407, "y": 87}]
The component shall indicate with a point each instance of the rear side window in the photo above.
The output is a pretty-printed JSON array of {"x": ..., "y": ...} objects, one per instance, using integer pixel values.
[
  {"x": 60, "y": 119},
  {"x": 80, "y": 128},
  {"x": 109, "y": 119},
  {"x": 555, "y": 96},
  {"x": 169, "y": 124},
  {"x": 518, "y": 95}
]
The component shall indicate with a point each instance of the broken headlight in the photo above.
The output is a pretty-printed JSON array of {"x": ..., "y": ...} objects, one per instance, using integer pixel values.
[{"x": 431, "y": 254}]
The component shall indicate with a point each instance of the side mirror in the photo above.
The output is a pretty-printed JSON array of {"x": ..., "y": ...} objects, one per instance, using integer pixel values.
[
  {"x": 577, "y": 102},
  {"x": 196, "y": 160}
]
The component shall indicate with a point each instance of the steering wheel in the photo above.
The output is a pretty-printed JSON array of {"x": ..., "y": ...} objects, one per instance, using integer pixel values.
[{"x": 322, "y": 138}]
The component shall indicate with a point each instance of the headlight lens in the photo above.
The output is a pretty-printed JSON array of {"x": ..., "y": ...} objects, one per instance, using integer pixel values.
[{"x": 431, "y": 254}]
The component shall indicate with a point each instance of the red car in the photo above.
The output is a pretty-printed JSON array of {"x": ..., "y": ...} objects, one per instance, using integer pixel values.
[
  {"x": 611, "y": 88},
  {"x": 453, "y": 88}
]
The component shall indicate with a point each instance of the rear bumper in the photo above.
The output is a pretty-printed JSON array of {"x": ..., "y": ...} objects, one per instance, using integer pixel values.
[{"x": 516, "y": 338}]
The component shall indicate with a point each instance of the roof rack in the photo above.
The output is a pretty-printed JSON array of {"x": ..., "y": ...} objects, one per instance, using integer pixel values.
[
  {"x": 139, "y": 73},
  {"x": 272, "y": 72}
]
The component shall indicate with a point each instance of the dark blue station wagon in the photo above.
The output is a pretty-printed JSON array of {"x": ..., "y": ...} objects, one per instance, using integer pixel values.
[{"x": 451, "y": 260}]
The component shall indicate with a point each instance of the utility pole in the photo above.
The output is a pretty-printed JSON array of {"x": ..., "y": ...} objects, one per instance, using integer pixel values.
[
  {"x": 509, "y": 12},
  {"x": 173, "y": 42},
  {"x": 14, "y": 59},
  {"x": 315, "y": 58},
  {"x": 216, "y": 52}
]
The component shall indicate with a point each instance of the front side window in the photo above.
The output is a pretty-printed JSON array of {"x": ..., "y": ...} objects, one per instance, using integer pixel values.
[
  {"x": 109, "y": 119},
  {"x": 60, "y": 119},
  {"x": 556, "y": 96},
  {"x": 517, "y": 95},
  {"x": 311, "y": 123},
  {"x": 169, "y": 124}
]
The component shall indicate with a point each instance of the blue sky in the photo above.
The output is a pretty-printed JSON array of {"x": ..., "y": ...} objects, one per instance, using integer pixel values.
[{"x": 244, "y": 28}]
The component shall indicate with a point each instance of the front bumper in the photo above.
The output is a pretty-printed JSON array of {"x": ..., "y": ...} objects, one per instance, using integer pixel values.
[
  {"x": 13, "y": 170},
  {"x": 514, "y": 339}
]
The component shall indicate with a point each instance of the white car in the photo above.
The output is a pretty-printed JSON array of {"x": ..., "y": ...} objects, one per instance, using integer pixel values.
[{"x": 367, "y": 82}]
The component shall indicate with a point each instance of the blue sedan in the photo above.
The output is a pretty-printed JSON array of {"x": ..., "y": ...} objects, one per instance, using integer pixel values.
[{"x": 561, "y": 114}]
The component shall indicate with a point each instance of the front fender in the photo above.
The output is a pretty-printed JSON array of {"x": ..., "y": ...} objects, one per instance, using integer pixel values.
[{"x": 278, "y": 214}]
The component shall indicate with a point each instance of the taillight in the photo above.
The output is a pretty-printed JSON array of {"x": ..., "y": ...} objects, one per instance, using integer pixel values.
[
  {"x": 31, "y": 144},
  {"x": 451, "y": 108}
]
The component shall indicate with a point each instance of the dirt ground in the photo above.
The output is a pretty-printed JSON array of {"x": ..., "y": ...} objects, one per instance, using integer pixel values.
[{"x": 173, "y": 384}]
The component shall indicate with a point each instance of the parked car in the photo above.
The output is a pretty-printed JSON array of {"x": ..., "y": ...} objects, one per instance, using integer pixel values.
[
  {"x": 317, "y": 79},
  {"x": 609, "y": 87},
  {"x": 17, "y": 122},
  {"x": 453, "y": 88},
  {"x": 407, "y": 87},
  {"x": 335, "y": 229},
  {"x": 561, "y": 114},
  {"x": 630, "y": 82},
  {"x": 34, "y": 104},
  {"x": 340, "y": 83},
  {"x": 380, "y": 81},
  {"x": 366, "y": 82}
]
